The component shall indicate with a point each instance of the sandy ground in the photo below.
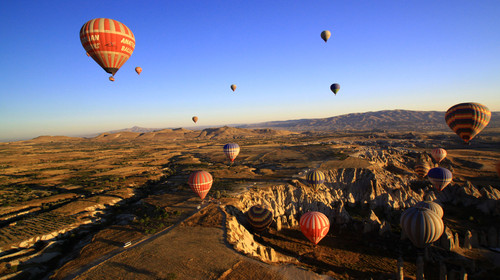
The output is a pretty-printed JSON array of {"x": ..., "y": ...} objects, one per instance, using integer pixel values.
[{"x": 195, "y": 249}]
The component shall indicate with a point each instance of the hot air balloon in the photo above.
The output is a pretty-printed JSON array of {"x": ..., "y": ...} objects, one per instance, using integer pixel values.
[
  {"x": 315, "y": 179},
  {"x": 314, "y": 225},
  {"x": 233, "y": 87},
  {"x": 467, "y": 119},
  {"x": 138, "y": 70},
  {"x": 195, "y": 119},
  {"x": 200, "y": 182},
  {"x": 421, "y": 168},
  {"x": 109, "y": 42},
  {"x": 335, "y": 88},
  {"x": 431, "y": 205},
  {"x": 422, "y": 226},
  {"x": 112, "y": 78},
  {"x": 231, "y": 151},
  {"x": 438, "y": 154},
  {"x": 325, "y": 35},
  {"x": 439, "y": 177},
  {"x": 259, "y": 217}
]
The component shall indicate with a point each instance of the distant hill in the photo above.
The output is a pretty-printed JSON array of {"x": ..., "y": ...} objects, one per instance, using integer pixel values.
[
  {"x": 182, "y": 133},
  {"x": 392, "y": 120},
  {"x": 135, "y": 129}
]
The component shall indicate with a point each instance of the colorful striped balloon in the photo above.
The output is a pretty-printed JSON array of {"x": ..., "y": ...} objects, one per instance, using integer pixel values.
[
  {"x": 314, "y": 225},
  {"x": 421, "y": 168},
  {"x": 422, "y": 226},
  {"x": 109, "y": 42},
  {"x": 438, "y": 154},
  {"x": 467, "y": 119},
  {"x": 439, "y": 177},
  {"x": 231, "y": 151},
  {"x": 315, "y": 179},
  {"x": 431, "y": 205},
  {"x": 259, "y": 217},
  {"x": 200, "y": 182}
]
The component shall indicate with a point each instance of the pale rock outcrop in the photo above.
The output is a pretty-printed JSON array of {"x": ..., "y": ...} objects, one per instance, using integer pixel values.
[
  {"x": 447, "y": 240},
  {"x": 372, "y": 223},
  {"x": 243, "y": 241}
]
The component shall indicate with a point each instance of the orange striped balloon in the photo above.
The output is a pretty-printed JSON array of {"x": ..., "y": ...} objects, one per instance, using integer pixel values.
[
  {"x": 109, "y": 42},
  {"x": 438, "y": 154},
  {"x": 314, "y": 225},
  {"x": 200, "y": 182},
  {"x": 467, "y": 119}
]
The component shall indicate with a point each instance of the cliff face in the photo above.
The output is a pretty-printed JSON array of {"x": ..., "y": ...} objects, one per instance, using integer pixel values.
[{"x": 387, "y": 183}]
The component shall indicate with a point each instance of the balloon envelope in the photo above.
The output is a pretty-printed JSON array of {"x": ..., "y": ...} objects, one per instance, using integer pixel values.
[
  {"x": 422, "y": 226},
  {"x": 431, "y": 205},
  {"x": 259, "y": 217},
  {"x": 200, "y": 182},
  {"x": 335, "y": 88},
  {"x": 195, "y": 119},
  {"x": 325, "y": 35},
  {"x": 438, "y": 154},
  {"x": 231, "y": 151},
  {"x": 439, "y": 177},
  {"x": 138, "y": 70},
  {"x": 315, "y": 179},
  {"x": 314, "y": 225},
  {"x": 109, "y": 42},
  {"x": 467, "y": 119},
  {"x": 233, "y": 87},
  {"x": 421, "y": 168}
]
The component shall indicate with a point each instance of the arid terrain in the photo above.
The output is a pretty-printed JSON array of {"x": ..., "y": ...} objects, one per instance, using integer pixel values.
[{"x": 69, "y": 206}]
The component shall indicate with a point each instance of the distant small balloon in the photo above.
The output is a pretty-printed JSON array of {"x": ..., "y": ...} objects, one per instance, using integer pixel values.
[
  {"x": 112, "y": 79},
  {"x": 421, "y": 168},
  {"x": 439, "y": 177},
  {"x": 315, "y": 178},
  {"x": 195, "y": 119},
  {"x": 325, "y": 35},
  {"x": 233, "y": 87},
  {"x": 231, "y": 150},
  {"x": 335, "y": 88},
  {"x": 138, "y": 70},
  {"x": 438, "y": 154}
]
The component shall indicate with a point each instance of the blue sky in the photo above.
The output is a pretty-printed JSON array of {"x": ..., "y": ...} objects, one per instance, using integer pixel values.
[{"x": 416, "y": 55}]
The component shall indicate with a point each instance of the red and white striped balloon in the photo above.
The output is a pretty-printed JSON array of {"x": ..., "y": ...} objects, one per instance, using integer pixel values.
[
  {"x": 438, "y": 154},
  {"x": 314, "y": 225},
  {"x": 200, "y": 182}
]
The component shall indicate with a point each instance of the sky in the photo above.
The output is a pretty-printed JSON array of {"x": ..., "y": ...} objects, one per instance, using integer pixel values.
[{"x": 416, "y": 55}]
